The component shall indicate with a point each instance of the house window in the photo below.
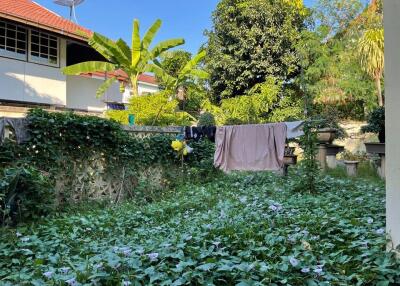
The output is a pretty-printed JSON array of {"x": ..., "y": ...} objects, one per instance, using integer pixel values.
[
  {"x": 43, "y": 48},
  {"x": 116, "y": 106},
  {"x": 12, "y": 41}
]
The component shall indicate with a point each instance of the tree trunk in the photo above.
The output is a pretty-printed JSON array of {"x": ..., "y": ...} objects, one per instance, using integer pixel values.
[
  {"x": 379, "y": 90},
  {"x": 134, "y": 84}
]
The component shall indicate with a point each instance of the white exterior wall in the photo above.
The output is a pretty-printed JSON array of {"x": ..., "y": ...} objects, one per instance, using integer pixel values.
[
  {"x": 392, "y": 103},
  {"x": 34, "y": 83},
  {"x": 143, "y": 88},
  {"x": 81, "y": 94},
  {"x": 30, "y": 82},
  {"x": 147, "y": 88}
]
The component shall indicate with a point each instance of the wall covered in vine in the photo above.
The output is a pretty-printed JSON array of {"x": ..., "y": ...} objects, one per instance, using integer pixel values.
[{"x": 85, "y": 158}]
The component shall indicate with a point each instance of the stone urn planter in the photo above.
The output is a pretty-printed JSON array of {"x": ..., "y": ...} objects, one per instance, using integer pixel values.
[
  {"x": 351, "y": 167},
  {"x": 326, "y": 135}
]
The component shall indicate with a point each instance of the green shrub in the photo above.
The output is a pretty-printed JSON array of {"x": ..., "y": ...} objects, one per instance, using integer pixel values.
[
  {"x": 25, "y": 194},
  {"x": 153, "y": 109},
  {"x": 206, "y": 119},
  {"x": 376, "y": 123}
]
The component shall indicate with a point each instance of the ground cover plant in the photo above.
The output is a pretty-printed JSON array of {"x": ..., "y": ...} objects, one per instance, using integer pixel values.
[{"x": 241, "y": 229}]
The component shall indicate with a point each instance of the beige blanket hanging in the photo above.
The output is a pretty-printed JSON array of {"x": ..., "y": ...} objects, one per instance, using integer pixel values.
[{"x": 255, "y": 147}]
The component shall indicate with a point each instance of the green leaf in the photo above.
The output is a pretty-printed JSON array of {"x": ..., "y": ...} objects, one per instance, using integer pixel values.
[
  {"x": 88, "y": 67},
  {"x": 136, "y": 47},
  {"x": 150, "y": 34},
  {"x": 104, "y": 86},
  {"x": 125, "y": 49},
  {"x": 166, "y": 45},
  {"x": 190, "y": 65}
]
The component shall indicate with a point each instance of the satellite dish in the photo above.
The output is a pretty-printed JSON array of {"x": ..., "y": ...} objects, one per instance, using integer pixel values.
[{"x": 71, "y": 4}]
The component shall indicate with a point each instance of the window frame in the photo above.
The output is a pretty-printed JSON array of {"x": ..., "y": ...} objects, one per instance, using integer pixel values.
[
  {"x": 31, "y": 58},
  {"x": 15, "y": 55},
  {"x": 27, "y": 57}
]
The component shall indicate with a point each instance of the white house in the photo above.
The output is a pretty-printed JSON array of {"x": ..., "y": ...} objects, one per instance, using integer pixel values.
[{"x": 35, "y": 44}]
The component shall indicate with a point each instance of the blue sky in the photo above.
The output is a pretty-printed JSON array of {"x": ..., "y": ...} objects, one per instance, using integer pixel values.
[{"x": 181, "y": 18}]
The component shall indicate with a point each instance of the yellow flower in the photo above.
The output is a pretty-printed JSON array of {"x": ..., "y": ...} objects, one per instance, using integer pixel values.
[
  {"x": 185, "y": 152},
  {"x": 177, "y": 145}
]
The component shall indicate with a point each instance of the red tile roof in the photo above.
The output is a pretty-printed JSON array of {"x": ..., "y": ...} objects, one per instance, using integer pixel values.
[{"x": 31, "y": 13}]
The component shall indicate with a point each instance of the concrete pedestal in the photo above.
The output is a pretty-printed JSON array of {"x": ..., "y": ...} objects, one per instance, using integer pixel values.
[
  {"x": 321, "y": 156},
  {"x": 382, "y": 168},
  {"x": 331, "y": 161},
  {"x": 351, "y": 168}
]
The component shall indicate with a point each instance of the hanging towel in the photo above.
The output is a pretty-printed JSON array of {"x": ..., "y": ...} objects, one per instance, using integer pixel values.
[
  {"x": 250, "y": 147},
  {"x": 294, "y": 129},
  {"x": 19, "y": 126}
]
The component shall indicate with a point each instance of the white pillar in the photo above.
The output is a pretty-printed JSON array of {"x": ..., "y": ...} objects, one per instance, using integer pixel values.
[{"x": 392, "y": 94}]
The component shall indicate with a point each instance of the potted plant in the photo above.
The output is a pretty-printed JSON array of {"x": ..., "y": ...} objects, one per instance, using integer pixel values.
[
  {"x": 351, "y": 162},
  {"x": 328, "y": 128},
  {"x": 376, "y": 123}
]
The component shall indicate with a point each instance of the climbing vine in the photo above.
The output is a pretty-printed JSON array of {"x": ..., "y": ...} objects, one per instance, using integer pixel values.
[{"x": 91, "y": 158}]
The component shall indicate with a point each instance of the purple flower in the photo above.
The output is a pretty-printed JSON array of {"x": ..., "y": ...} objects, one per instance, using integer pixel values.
[
  {"x": 305, "y": 270},
  {"x": 370, "y": 220},
  {"x": 318, "y": 270},
  {"x": 48, "y": 274},
  {"x": 126, "y": 283},
  {"x": 153, "y": 256},
  {"x": 72, "y": 282},
  {"x": 275, "y": 207},
  {"x": 64, "y": 270},
  {"x": 293, "y": 261},
  {"x": 98, "y": 266},
  {"x": 380, "y": 231}
]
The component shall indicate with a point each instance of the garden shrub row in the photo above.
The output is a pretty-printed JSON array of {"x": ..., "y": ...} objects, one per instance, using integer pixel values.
[{"x": 62, "y": 146}]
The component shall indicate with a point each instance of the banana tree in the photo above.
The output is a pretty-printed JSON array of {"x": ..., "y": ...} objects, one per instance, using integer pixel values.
[
  {"x": 131, "y": 61},
  {"x": 186, "y": 77}
]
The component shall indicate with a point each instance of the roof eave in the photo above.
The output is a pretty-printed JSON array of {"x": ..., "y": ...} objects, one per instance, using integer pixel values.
[{"x": 43, "y": 26}]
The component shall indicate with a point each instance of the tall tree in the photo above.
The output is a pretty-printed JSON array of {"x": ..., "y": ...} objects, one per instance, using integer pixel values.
[
  {"x": 337, "y": 15},
  {"x": 371, "y": 50},
  {"x": 250, "y": 41},
  {"x": 133, "y": 60}
]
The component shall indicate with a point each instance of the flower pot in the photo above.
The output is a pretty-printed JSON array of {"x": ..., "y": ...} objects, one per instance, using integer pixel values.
[
  {"x": 351, "y": 168},
  {"x": 375, "y": 148},
  {"x": 326, "y": 135}
]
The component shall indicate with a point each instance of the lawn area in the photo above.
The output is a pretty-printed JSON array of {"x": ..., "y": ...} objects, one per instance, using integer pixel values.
[{"x": 241, "y": 229}]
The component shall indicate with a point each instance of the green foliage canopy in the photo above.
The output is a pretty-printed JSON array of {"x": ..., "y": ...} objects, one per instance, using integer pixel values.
[{"x": 250, "y": 41}]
